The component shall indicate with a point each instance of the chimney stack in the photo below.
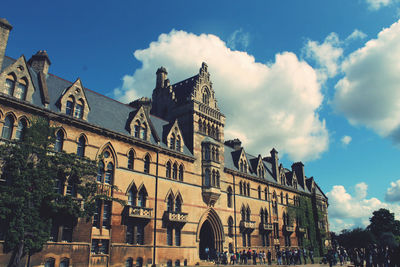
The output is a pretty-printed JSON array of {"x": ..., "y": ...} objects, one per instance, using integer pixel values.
[
  {"x": 275, "y": 163},
  {"x": 236, "y": 144},
  {"x": 5, "y": 28},
  {"x": 40, "y": 62}
]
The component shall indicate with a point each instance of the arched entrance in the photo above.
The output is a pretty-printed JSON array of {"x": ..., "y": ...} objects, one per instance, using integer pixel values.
[{"x": 210, "y": 234}]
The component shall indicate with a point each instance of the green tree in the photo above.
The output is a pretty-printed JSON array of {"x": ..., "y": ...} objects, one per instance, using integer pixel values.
[
  {"x": 383, "y": 221},
  {"x": 355, "y": 238},
  {"x": 29, "y": 203}
]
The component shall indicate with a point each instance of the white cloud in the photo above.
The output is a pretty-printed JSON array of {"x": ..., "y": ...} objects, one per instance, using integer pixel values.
[
  {"x": 238, "y": 40},
  {"x": 356, "y": 34},
  {"x": 393, "y": 192},
  {"x": 271, "y": 105},
  {"x": 326, "y": 55},
  {"x": 377, "y": 4},
  {"x": 346, "y": 140},
  {"x": 347, "y": 211},
  {"x": 369, "y": 93}
]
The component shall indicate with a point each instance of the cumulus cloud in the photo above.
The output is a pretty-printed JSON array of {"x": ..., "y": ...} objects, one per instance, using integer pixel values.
[
  {"x": 325, "y": 55},
  {"x": 346, "y": 210},
  {"x": 239, "y": 40},
  {"x": 377, "y": 4},
  {"x": 346, "y": 140},
  {"x": 369, "y": 92},
  {"x": 356, "y": 34},
  {"x": 393, "y": 192},
  {"x": 269, "y": 105}
]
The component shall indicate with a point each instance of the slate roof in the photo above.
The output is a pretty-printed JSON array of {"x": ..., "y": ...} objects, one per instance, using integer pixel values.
[{"x": 183, "y": 89}]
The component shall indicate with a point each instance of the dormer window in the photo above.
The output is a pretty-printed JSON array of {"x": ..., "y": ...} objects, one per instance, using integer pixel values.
[
  {"x": 172, "y": 142},
  {"x": 79, "y": 110},
  {"x": 16, "y": 89},
  {"x": 174, "y": 138},
  {"x": 137, "y": 129},
  {"x": 74, "y": 108},
  {"x": 178, "y": 143},
  {"x": 144, "y": 132},
  {"x": 10, "y": 85},
  {"x": 70, "y": 106},
  {"x": 20, "y": 90}
]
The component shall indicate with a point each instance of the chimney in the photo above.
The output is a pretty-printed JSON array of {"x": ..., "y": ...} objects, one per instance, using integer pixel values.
[
  {"x": 298, "y": 168},
  {"x": 275, "y": 163},
  {"x": 161, "y": 77},
  {"x": 143, "y": 101},
  {"x": 236, "y": 144},
  {"x": 40, "y": 62},
  {"x": 5, "y": 28}
]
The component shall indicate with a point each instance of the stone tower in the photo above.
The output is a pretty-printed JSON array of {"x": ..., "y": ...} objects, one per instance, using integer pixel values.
[{"x": 5, "y": 28}]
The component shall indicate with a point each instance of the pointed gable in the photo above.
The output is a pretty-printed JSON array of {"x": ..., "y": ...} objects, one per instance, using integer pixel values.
[
  {"x": 73, "y": 101},
  {"x": 140, "y": 126},
  {"x": 173, "y": 136},
  {"x": 16, "y": 80}
]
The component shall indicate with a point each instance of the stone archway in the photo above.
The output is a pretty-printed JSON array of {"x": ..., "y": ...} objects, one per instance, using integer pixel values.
[{"x": 210, "y": 233}]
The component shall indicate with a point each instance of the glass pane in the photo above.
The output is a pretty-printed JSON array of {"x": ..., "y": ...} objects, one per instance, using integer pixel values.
[
  {"x": 20, "y": 91},
  {"x": 10, "y": 86},
  {"x": 78, "y": 111},
  {"x": 69, "y": 107}
]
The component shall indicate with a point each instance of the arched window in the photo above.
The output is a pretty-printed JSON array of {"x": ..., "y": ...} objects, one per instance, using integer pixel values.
[
  {"x": 230, "y": 226},
  {"x": 64, "y": 263},
  {"x": 22, "y": 124},
  {"x": 168, "y": 170},
  {"x": 217, "y": 133},
  {"x": 139, "y": 262},
  {"x": 241, "y": 188},
  {"x": 206, "y": 97},
  {"x": 178, "y": 143},
  {"x": 213, "y": 153},
  {"x": 259, "y": 192},
  {"x": 248, "y": 214},
  {"x": 58, "y": 146},
  {"x": 204, "y": 127},
  {"x": 207, "y": 152},
  {"x": 147, "y": 164},
  {"x": 81, "y": 146},
  {"x": 295, "y": 184},
  {"x": 172, "y": 141},
  {"x": 262, "y": 216},
  {"x": 207, "y": 178},
  {"x": 108, "y": 179},
  {"x": 20, "y": 90},
  {"x": 208, "y": 129},
  {"x": 137, "y": 129},
  {"x": 100, "y": 171},
  {"x": 69, "y": 108},
  {"x": 131, "y": 159},
  {"x": 178, "y": 204},
  {"x": 49, "y": 262},
  {"x": 266, "y": 216},
  {"x": 241, "y": 165},
  {"x": 248, "y": 189},
  {"x": 132, "y": 195},
  {"x": 10, "y": 85},
  {"x": 142, "y": 197},
  {"x": 129, "y": 262},
  {"x": 281, "y": 197},
  {"x": 243, "y": 213},
  {"x": 245, "y": 167},
  {"x": 144, "y": 131},
  {"x": 78, "y": 112},
  {"x": 8, "y": 127},
  {"x": 217, "y": 155},
  {"x": 181, "y": 172},
  {"x": 170, "y": 203},
  {"x": 284, "y": 218},
  {"x": 200, "y": 126},
  {"x": 229, "y": 197},
  {"x": 175, "y": 171},
  {"x": 217, "y": 178}
]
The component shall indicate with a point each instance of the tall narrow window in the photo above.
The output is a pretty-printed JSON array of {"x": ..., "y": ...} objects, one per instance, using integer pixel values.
[
  {"x": 266, "y": 193},
  {"x": 137, "y": 129},
  {"x": 100, "y": 172},
  {"x": 132, "y": 196},
  {"x": 106, "y": 214},
  {"x": 20, "y": 90},
  {"x": 259, "y": 192},
  {"x": 175, "y": 171},
  {"x": 248, "y": 214},
  {"x": 129, "y": 262},
  {"x": 10, "y": 85},
  {"x": 131, "y": 158},
  {"x": 240, "y": 188},
  {"x": 177, "y": 236},
  {"x": 170, "y": 203},
  {"x": 169, "y": 236},
  {"x": 69, "y": 108},
  {"x": 245, "y": 167},
  {"x": 217, "y": 155},
  {"x": 248, "y": 189},
  {"x": 144, "y": 131},
  {"x": 205, "y": 97},
  {"x": 178, "y": 204},
  {"x": 78, "y": 112},
  {"x": 178, "y": 143},
  {"x": 142, "y": 197},
  {"x": 108, "y": 179},
  {"x": 81, "y": 146},
  {"x": 230, "y": 227},
  {"x": 58, "y": 146},
  {"x": 207, "y": 178},
  {"x": 181, "y": 172},
  {"x": 229, "y": 197},
  {"x": 71, "y": 189},
  {"x": 96, "y": 215},
  {"x": 22, "y": 124},
  {"x": 172, "y": 142},
  {"x": 168, "y": 170},
  {"x": 147, "y": 164},
  {"x": 243, "y": 214},
  {"x": 241, "y": 165},
  {"x": 8, "y": 127},
  {"x": 213, "y": 179},
  {"x": 217, "y": 179}
]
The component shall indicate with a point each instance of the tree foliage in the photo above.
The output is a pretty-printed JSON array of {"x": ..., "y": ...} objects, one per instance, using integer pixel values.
[{"x": 29, "y": 203}]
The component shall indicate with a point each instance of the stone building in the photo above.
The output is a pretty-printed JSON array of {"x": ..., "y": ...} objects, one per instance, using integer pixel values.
[{"x": 187, "y": 188}]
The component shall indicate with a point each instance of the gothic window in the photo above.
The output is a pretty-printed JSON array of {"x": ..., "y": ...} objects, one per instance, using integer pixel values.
[
  {"x": 169, "y": 236},
  {"x": 241, "y": 165},
  {"x": 259, "y": 192},
  {"x": 230, "y": 226},
  {"x": 20, "y": 89},
  {"x": 281, "y": 197},
  {"x": 106, "y": 214},
  {"x": 178, "y": 143},
  {"x": 241, "y": 188},
  {"x": 248, "y": 189},
  {"x": 139, "y": 262},
  {"x": 10, "y": 85},
  {"x": 243, "y": 213},
  {"x": 181, "y": 172},
  {"x": 217, "y": 133},
  {"x": 172, "y": 142},
  {"x": 78, "y": 112},
  {"x": 100, "y": 171},
  {"x": 81, "y": 146},
  {"x": 129, "y": 262},
  {"x": 135, "y": 233},
  {"x": 266, "y": 193},
  {"x": 170, "y": 203},
  {"x": 175, "y": 171},
  {"x": 266, "y": 216},
  {"x": 262, "y": 216},
  {"x": 245, "y": 167},
  {"x": 217, "y": 178},
  {"x": 108, "y": 178},
  {"x": 147, "y": 164},
  {"x": 207, "y": 178},
  {"x": 8, "y": 127},
  {"x": 213, "y": 154},
  {"x": 58, "y": 146},
  {"x": 177, "y": 239},
  {"x": 69, "y": 108},
  {"x": 206, "y": 97},
  {"x": 137, "y": 129},
  {"x": 22, "y": 124},
  {"x": 213, "y": 178},
  {"x": 142, "y": 197},
  {"x": 168, "y": 170},
  {"x": 49, "y": 262},
  {"x": 132, "y": 195},
  {"x": 217, "y": 155},
  {"x": 144, "y": 131},
  {"x": 200, "y": 126},
  {"x": 64, "y": 263},
  {"x": 248, "y": 213},
  {"x": 131, "y": 159},
  {"x": 178, "y": 204},
  {"x": 229, "y": 197},
  {"x": 287, "y": 199},
  {"x": 204, "y": 127}
]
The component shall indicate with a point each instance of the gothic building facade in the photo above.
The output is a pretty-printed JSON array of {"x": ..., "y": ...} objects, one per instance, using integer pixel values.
[{"x": 186, "y": 187}]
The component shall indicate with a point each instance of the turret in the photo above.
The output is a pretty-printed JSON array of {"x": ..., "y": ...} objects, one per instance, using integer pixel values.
[
  {"x": 162, "y": 78},
  {"x": 5, "y": 28}
]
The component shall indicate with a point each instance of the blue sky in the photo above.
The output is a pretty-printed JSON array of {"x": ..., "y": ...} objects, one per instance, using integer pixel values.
[{"x": 321, "y": 77}]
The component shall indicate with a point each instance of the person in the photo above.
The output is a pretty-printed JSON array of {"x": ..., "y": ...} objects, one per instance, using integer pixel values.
[
  {"x": 305, "y": 255},
  {"x": 207, "y": 251},
  {"x": 279, "y": 257},
  {"x": 264, "y": 256},
  {"x": 260, "y": 257},
  {"x": 284, "y": 257},
  {"x": 269, "y": 257},
  {"x": 311, "y": 254}
]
